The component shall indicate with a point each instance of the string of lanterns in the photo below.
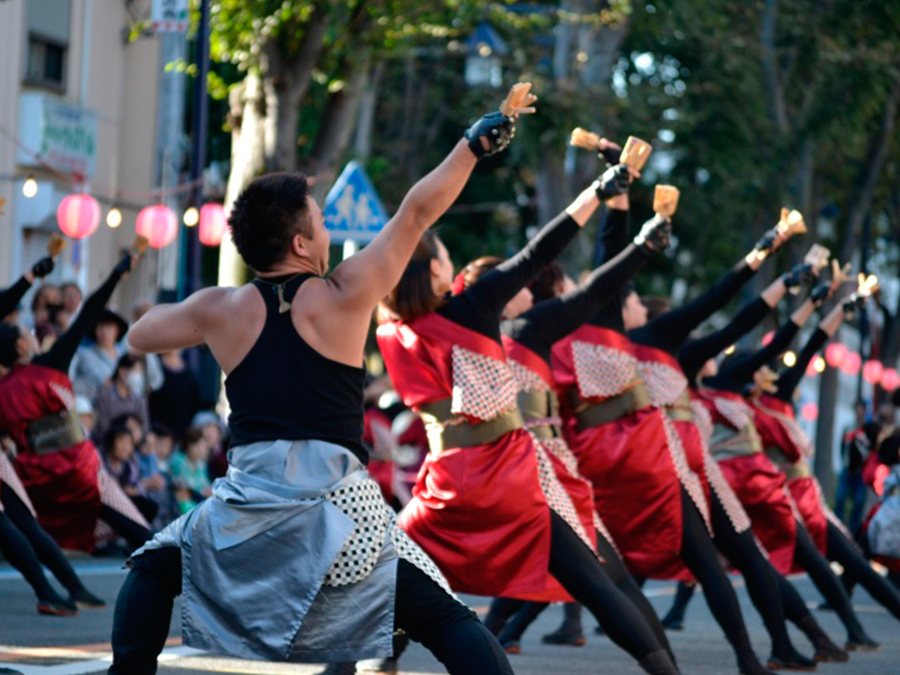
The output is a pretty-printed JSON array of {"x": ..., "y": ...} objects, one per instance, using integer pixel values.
[{"x": 78, "y": 216}]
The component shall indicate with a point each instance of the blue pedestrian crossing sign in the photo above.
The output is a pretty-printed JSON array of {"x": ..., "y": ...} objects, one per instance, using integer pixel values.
[{"x": 353, "y": 210}]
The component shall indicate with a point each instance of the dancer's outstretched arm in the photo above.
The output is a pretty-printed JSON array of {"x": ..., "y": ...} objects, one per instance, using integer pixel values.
[
  {"x": 550, "y": 321},
  {"x": 9, "y": 298}
]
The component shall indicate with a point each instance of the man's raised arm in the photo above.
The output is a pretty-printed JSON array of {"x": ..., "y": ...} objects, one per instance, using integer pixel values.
[{"x": 360, "y": 282}]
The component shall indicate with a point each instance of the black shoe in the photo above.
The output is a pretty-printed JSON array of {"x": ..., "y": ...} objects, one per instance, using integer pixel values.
[
  {"x": 754, "y": 668},
  {"x": 511, "y": 646},
  {"x": 84, "y": 599},
  {"x": 57, "y": 608},
  {"x": 569, "y": 637},
  {"x": 796, "y": 662},
  {"x": 831, "y": 654},
  {"x": 672, "y": 624},
  {"x": 862, "y": 644}
]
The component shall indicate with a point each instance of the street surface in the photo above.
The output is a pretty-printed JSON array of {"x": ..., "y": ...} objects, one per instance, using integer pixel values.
[{"x": 37, "y": 645}]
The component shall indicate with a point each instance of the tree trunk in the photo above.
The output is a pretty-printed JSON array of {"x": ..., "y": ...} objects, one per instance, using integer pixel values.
[
  {"x": 287, "y": 81},
  {"x": 870, "y": 172},
  {"x": 337, "y": 127},
  {"x": 362, "y": 144},
  {"x": 828, "y": 396}
]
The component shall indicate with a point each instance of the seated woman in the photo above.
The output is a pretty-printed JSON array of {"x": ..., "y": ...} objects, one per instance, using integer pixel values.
[{"x": 189, "y": 471}]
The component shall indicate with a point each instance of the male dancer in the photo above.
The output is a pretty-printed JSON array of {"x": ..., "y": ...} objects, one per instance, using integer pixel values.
[{"x": 296, "y": 557}]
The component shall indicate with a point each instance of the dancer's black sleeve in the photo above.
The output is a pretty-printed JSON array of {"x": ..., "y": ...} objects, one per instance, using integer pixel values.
[
  {"x": 613, "y": 238},
  {"x": 550, "y": 321},
  {"x": 732, "y": 376},
  {"x": 788, "y": 381},
  {"x": 695, "y": 353},
  {"x": 60, "y": 355},
  {"x": 10, "y": 298},
  {"x": 479, "y": 307},
  {"x": 669, "y": 331}
]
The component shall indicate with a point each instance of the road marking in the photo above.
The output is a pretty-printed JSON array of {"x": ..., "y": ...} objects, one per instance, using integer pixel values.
[{"x": 82, "y": 571}]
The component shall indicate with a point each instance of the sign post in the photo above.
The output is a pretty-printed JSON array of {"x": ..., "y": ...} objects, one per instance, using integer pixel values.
[{"x": 353, "y": 210}]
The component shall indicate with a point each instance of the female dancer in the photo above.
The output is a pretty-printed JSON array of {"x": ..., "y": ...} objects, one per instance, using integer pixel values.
[
  {"x": 478, "y": 508},
  {"x": 761, "y": 487},
  {"x": 58, "y": 466},
  {"x": 791, "y": 450},
  {"x": 644, "y": 488},
  {"x": 528, "y": 339},
  {"x": 773, "y": 595}
]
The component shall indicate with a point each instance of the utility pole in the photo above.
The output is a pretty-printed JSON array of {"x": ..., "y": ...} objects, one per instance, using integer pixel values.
[{"x": 191, "y": 280}]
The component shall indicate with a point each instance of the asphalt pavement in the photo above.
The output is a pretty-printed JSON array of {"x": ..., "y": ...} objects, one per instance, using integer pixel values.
[{"x": 38, "y": 645}]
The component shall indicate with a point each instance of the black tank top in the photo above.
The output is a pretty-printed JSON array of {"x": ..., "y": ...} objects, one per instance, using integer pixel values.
[{"x": 285, "y": 389}]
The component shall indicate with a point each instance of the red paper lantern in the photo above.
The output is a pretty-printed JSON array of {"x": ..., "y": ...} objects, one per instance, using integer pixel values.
[
  {"x": 811, "y": 369},
  {"x": 767, "y": 338},
  {"x": 809, "y": 411},
  {"x": 212, "y": 224},
  {"x": 851, "y": 364},
  {"x": 890, "y": 379},
  {"x": 158, "y": 224},
  {"x": 872, "y": 371},
  {"x": 835, "y": 353},
  {"x": 78, "y": 216}
]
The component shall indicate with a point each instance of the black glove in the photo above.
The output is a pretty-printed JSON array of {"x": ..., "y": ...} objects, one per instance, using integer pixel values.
[
  {"x": 820, "y": 294},
  {"x": 614, "y": 181},
  {"x": 610, "y": 155},
  {"x": 124, "y": 266},
  {"x": 654, "y": 235},
  {"x": 852, "y": 304},
  {"x": 766, "y": 242},
  {"x": 496, "y": 128},
  {"x": 43, "y": 267},
  {"x": 799, "y": 275}
]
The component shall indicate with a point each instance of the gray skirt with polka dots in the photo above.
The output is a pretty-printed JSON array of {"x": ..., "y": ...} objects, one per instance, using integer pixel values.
[{"x": 293, "y": 558}]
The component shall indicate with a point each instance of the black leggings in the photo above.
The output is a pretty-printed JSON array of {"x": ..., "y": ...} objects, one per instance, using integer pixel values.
[
  {"x": 857, "y": 569},
  {"x": 134, "y": 533},
  {"x": 423, "y": 610},
  {"x": 579, "y": 571},
  {"x": 699, "y": 555},
  {"x": 526, "y": 613},
  {"x": 26, "y": 545},
  {"x": 762, "y": 579},
  {"x": 807, "y": 556}
]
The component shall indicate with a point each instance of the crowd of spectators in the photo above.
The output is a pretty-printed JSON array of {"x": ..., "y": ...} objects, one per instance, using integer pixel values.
[{"x": 156, "y": 435}]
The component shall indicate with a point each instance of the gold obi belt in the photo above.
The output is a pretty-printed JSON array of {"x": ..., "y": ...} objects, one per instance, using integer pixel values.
[
  {"x": 541, "y": 412},
  {"x": 635, "y": 397},
  {"x": 448, "y": 430},
  {"x": 54, "y": 433},
  {"x": 728, "y": 442},
  {"x": 680, "y": 411},
  {"x": 793, "y": 470}
]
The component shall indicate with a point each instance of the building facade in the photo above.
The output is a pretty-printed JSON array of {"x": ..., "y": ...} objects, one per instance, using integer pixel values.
[{"x": 82, "y": 102}]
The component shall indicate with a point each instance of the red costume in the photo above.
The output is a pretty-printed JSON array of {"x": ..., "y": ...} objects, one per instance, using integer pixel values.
[
  {"x": 540, "y": 407},
  {"x": 758, "y": 484},
  {"x": 790, "y": 449},
  {"x": 62, "y": 484},
  {"x": 630, "y": 460},
  {"x": 478, "y": 511}
]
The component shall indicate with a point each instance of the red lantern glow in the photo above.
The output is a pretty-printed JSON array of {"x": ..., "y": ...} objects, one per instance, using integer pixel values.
[
  {"x": 78, "y": 216},
  {"x": 890, "y": 379},
  {"x": 158, "y": 224},
  {"x": 851, "y": 364},
  {"x": 767, "y": 338},
  {"x": 811, "y": 369},
  {"x": 212, "y": 224},
  {"x": 835, "y": 353},
  {"x": 809, "y": 411},
  {"x": 872, "y": 371}
]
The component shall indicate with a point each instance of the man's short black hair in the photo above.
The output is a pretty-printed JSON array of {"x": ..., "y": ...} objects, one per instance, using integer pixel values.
[{"x": 266, "y": 217}]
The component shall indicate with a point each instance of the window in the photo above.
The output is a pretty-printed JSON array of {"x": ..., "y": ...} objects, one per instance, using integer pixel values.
[
  {"x": 46, "y": 62},
  {"x": 48, "y": 42}
]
